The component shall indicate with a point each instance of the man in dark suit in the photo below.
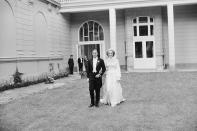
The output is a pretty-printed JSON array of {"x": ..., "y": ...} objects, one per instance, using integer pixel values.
[
  {"x": 85, "y": 62},
  {"x": 96, "y": 68},
  {"x": 71, "y": 64},
  {"x": 80, "y": 64}
]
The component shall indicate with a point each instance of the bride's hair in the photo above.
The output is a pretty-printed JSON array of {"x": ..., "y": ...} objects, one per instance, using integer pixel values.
[{"x": 107, "y": 52}]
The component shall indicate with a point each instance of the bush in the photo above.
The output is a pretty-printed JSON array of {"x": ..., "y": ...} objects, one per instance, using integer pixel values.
[
  {"x": 18, "y": 82},
  {"x": 17, "y": 76}
]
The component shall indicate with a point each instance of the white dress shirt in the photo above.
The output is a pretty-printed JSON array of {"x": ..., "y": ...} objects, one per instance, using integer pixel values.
[{"x": 94, "y": 64}]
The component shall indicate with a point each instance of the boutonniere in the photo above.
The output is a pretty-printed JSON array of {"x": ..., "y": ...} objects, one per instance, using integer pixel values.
[{"x": 98, "y": 61}]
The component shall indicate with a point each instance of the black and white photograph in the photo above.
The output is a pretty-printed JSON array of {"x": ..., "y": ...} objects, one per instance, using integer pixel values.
[{"x": 98, "y": 65}]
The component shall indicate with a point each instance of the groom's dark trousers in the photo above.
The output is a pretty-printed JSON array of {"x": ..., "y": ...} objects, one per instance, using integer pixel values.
[
  {"x": 95, "y": 83},
  {"x": 94, "y": 86}
]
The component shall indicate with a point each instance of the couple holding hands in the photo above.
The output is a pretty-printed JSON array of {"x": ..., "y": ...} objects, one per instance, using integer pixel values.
[{"x": 112, "y": 90}]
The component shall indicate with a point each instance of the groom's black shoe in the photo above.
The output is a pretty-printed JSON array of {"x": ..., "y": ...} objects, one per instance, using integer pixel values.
[
  {"x": 96, "y": 105},
  {"x": 91, "y": 105}
]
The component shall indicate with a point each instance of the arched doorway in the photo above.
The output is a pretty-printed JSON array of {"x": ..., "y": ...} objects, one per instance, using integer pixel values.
[{"x": 91, "y": 36}]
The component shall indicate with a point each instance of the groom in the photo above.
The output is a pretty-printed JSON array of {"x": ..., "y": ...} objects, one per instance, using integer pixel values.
[{"x": 96, "y": 68}]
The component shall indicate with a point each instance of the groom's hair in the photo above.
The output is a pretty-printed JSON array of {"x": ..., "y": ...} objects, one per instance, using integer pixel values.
[
  {"x": 98, "y": 54},
  {"x": 95, "y": 50}
]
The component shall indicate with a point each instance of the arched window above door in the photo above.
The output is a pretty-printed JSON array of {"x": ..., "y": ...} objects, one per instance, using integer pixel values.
[{"x": 91, "y": 31}]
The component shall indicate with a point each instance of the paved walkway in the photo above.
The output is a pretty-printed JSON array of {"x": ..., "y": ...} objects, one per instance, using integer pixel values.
[{"x": 10, "y": 95}]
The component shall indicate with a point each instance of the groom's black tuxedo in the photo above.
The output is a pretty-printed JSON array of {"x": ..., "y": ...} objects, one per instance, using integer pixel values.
[{"x": 95, "y": 83}]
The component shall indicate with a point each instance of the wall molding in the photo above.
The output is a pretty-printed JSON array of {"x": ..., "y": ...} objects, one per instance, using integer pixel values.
[
  {"x": 28, "y": 59},
  {"x": 98, "y": 5}
]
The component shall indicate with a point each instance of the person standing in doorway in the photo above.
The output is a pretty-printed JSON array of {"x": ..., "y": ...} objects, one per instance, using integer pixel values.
[
  {"x": 80, "y": 64},
  {"x": 96, "y": 68},
  {"x": 85, "y": 62},
  {"x": 71, "y": 64}
]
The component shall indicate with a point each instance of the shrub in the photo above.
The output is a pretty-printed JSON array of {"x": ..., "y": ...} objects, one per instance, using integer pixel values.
[
  {"x": 17, "y": 82},
  {"x": 17, "y": 76}
]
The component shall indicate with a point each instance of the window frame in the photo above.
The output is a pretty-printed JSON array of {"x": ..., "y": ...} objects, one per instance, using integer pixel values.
[
  {"x": 137, "y": 24},
  {"x": 96, "y": 37}
]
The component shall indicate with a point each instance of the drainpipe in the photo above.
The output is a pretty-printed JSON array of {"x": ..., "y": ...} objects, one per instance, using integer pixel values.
[{"x": 125, "y": 43}]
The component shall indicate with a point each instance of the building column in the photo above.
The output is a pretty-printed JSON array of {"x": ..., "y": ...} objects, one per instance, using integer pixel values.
[
  {"x": 170, "y": 13},
  {"x": 112, "y": 21}
]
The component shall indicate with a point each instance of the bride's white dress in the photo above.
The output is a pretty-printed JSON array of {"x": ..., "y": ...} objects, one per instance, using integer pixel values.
[{"x": 112, "y": 90}]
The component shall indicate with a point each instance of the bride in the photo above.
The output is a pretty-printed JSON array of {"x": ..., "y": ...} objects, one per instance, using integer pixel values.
[{"x": 112, "y": 90}]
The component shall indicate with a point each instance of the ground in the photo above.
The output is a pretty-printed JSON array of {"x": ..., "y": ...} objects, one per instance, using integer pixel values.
[{"x": 164, "y": 101}]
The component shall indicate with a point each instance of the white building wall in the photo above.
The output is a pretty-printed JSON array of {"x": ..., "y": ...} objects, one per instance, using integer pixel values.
[
  {"x": 186, "y": 34},
  {"x": 56, "y": 48},
  {"x": 120, "y": 32},
  {"x": 7, "y": 35},
  {"x": 154, "y": 12}
]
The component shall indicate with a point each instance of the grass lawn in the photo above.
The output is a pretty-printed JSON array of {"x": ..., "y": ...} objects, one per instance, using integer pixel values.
[{"x": 154, "y": 102}]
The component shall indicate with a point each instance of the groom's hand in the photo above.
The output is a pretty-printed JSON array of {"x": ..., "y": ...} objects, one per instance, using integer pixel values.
[{"x": 98, "y": 75}]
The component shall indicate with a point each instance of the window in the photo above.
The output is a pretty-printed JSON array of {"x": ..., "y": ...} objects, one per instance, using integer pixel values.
[
  {"x": 143, "y": 19},
  {"x": 143, "y": 30},
  {"x": 138, "y": 50},
  {"x": 91, "y": 31},
  {"x": 151, "y": 30},
  {"x": 143, "y": 26},
  {"x": 81, "y": 36},
  {"x": 149, "y": 49},
  {"x": 135, "y": 30},
  {"x": 134, "y": 21},
  {"x": 151, "y": 20},
  {"x": 101, "y": 36}
]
